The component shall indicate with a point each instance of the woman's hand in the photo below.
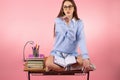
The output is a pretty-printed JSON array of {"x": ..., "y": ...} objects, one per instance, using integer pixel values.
[
  {"x": 66, "y": 19},
  {"x": 86, "y": 65}
]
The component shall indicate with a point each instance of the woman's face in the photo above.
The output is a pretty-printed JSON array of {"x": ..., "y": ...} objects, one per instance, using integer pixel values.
[{"x": 68, "y": 8}]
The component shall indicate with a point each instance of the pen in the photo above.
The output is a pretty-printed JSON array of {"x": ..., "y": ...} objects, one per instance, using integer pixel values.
[{"x": 36, "y": 46}]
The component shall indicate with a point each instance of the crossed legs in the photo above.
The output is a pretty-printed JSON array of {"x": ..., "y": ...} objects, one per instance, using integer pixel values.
[{"x": 51, "y": 66}]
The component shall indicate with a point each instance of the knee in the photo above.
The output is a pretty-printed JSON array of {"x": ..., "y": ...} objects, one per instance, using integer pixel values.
[
  {"x": 80, "y": 60},
  {"x": 49, "y": 61},
  {"x": 48, "y": 64}
]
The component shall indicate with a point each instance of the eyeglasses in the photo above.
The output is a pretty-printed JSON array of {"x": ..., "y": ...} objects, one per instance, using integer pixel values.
[{"x": 69, "y": 7}]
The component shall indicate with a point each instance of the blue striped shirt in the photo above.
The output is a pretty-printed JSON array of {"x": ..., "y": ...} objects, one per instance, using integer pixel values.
[{"x": 69, "y": 38}]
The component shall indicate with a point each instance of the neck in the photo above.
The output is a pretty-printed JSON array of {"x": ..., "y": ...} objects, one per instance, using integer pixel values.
[{"x": 68, "y": 19}]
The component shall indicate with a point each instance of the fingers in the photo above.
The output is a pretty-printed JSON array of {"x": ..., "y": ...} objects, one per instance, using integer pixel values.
[
  {"x": 85, "y": 69},
  {"x": 91, "y": 67},
  {"x": 66, "y": 18},
  {"x": 86, "y": 65}
]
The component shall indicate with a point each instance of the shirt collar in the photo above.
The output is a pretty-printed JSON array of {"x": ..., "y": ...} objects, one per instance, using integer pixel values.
[{"x": 73, "y": 20}]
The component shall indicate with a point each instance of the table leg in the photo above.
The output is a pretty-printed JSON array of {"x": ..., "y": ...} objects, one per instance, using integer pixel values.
[
  {"x": 28, "y": 75},
  {"x": 88, "y": 75}
]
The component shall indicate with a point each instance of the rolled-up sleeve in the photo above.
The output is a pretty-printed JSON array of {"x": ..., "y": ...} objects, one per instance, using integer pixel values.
[{"x": 82, "y": 42}]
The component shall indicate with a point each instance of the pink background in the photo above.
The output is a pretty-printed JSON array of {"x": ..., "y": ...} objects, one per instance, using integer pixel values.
[{"x": 24, "y": 20}]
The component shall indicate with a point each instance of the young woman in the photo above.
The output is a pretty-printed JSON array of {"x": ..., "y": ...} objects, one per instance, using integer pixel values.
[{"x": 69, "y": 35}]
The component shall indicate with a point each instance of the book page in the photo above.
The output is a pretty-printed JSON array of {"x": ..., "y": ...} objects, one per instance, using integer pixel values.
[
  {"x": 60, "y": 61},
  {"x": 70, "y": 60}
]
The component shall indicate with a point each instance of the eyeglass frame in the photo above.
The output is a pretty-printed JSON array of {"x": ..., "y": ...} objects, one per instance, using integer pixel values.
[{"x": 69, "y": 7}]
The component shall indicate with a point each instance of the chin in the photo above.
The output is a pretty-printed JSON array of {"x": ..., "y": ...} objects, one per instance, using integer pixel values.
[{"x": 68, "y": 14}]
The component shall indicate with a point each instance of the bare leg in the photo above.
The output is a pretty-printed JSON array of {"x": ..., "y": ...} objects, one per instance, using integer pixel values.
[
  {"x": 51, "y": 66},
  {"x": 80, "y": 60}
]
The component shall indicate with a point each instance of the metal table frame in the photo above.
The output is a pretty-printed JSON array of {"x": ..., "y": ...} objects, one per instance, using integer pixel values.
[{"x": 58, "y": 73}]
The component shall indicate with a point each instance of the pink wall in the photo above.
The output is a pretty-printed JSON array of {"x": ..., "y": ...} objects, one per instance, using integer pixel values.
[{"x": 23, "y": 20}]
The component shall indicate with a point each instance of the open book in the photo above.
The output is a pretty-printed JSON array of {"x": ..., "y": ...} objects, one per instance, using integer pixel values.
[{"x": 64, "y": 62}]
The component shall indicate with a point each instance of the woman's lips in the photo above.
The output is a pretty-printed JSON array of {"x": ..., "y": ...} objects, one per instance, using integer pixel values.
[{"x": 68, "y": 12}]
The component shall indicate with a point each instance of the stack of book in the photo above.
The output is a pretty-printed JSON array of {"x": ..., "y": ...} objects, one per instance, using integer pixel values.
[{"x": 35, "y": 63}]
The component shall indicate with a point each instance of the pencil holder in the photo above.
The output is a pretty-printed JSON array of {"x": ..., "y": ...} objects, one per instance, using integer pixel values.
[{"x": 35, "y": 51}]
